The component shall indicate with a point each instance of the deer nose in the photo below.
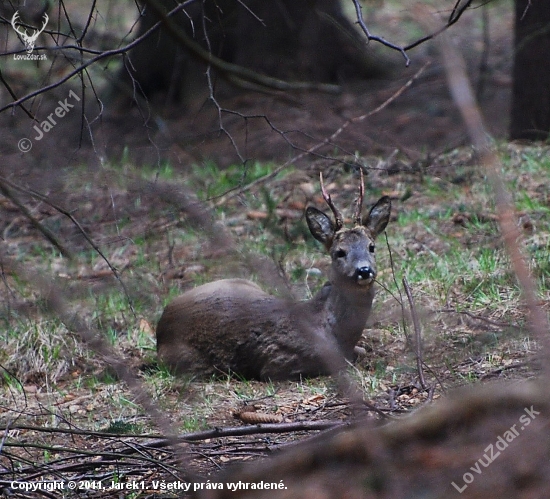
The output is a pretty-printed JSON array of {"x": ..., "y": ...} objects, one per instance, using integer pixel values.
[{"x": 364, "y": 273}]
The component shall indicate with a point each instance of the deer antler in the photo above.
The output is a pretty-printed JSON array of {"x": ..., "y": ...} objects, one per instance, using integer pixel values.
[
  {"x": 359, "y": 202},
  {"x": 28, "y": 39},
  {"x": 46, "y": 19},
  {"x": 14, "y": 24},
  {"x": 326, "y": 196}
]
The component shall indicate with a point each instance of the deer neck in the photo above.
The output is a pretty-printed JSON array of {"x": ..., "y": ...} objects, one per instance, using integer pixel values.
[{"x": 342, "y": 313}]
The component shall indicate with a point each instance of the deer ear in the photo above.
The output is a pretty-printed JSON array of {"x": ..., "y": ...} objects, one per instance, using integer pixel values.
[
  {"x": 320, "y": 226},
  {"x": 378, "y": 217}
]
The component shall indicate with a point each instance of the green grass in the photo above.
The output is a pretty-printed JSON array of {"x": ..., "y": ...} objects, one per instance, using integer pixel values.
[
  {"x": 121, "y": 427},
  {"x": 481, "y": 268},
  {"x": 192, "y": 424},
  {"x": 209, "y": 181},
  {"x": 460, "y": 266}
]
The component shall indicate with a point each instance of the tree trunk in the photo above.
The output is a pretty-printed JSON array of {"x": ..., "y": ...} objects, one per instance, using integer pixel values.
[
  {"x": 289, "y": 39},
  {"x": 530, "y": 117}
]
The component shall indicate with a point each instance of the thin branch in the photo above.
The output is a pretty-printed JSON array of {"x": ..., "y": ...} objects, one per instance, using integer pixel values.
[
  {"x": 225, "y": 67},
  {"x": 360, "y": 196},
  {"x": 81, "y": 452},
  {"x": 357, "y": 119},
  {"x": 211, "y": 91},
  {"x": 4, "y": 183},
  {"x": 526, "y": 9},
  {"x": 456, "y": 14},
  {"x": 100, "y": 56},
  {"x": 78, "y": 431},
  {"x": 459, "y": 8},
  {"x": 47, "y": 233},
  {"x": 478, "y": 317},
  {"x": 14, "y": 96},
  {"x": 417, "y": 333},
  {"x": 483, "y": 66},
  {"x": 383, "y": 41},
  {"x": 88, "y": 22}
]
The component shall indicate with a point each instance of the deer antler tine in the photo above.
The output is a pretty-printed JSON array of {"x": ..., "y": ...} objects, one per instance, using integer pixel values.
[
  {"x": 327, "y": 198},
  {"x": 359, "y": 202},
  {"x": 14, "y": 20}
]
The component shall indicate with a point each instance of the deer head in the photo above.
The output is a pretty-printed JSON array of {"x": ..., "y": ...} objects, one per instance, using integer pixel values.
[
  {"x": 351, "y": 249},
  {"x": 28, "y": 40}
]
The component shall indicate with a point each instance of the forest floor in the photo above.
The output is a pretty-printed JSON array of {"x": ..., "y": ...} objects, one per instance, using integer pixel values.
[
  {"x": 443, "y": 239},
  {"x": 67, "y": 413}
]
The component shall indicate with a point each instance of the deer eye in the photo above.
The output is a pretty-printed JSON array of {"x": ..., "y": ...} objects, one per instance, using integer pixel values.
[
  {"x": 371, "y": 248},
  {"x": 340, "y": 253}
]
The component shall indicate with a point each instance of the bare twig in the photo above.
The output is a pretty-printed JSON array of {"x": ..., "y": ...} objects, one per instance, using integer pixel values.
[
  {"x": 397, "y": 299},
  {"x": 501, "y": 369},
  {"x": 359, "y": 201},
  {"x": 47, "y": 233},
  {"x": 417, "y": 333},
  {"x": 100, "y": 55},
  {"x": 14, "y": 96},
  {"x": 483, "y": 67},
  {"x": 5, "y": 183},
  {"x": 357, "y": 119},
  {"x": 478, "y": 317},
  {"x": 526, "y": 9},
  {"x": 383, "y": 41},
  {"x": 459, "y": 8}
]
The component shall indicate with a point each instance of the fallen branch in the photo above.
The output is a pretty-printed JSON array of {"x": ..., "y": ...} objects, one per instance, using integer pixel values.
[
  {"x": 477, "y": 317},
  {"x": 256, "y": 429}
]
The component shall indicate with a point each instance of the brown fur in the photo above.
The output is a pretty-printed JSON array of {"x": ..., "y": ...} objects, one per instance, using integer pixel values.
[{"x": 233, "y": 326}]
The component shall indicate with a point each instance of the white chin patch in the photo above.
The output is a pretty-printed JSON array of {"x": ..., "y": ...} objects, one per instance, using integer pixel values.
[{"x": 364, "y": 282}]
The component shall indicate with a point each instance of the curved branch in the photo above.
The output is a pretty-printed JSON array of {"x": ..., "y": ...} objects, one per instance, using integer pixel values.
[
  {"x": 229, "y": 68},
  {"x": 455, "y": 15},
  {"x": 383, "y": 41}
]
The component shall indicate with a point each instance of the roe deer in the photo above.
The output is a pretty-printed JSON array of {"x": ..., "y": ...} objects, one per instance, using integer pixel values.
[{"x": 232, "y": 325}]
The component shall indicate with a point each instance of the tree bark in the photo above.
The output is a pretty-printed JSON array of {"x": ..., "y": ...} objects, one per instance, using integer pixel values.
[{"x": 530, "y": 117}]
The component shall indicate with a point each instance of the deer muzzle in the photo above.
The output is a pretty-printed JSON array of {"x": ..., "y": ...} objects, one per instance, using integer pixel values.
[{"x": 364, "y": 274}]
